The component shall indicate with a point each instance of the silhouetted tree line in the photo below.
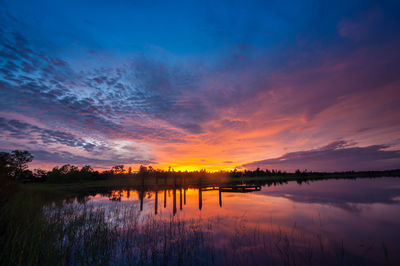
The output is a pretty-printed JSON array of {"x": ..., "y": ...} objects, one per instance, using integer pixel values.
[
  {"x": 306, "y": 174},
  {"x": 257, "y": 172},
  {"x": 14, "y": 166}
]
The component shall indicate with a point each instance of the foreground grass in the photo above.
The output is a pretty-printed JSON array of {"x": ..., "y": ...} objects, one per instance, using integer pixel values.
[
  {"x": 37, "y": 227},
  {"x": 88, "y": 235}
]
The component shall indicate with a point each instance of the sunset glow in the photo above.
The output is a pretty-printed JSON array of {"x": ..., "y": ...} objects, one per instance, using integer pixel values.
[{"x": 201, "y": 85}]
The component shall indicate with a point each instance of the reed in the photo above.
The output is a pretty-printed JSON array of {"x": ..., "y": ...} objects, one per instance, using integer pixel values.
[{"x": 83, "y": 234}]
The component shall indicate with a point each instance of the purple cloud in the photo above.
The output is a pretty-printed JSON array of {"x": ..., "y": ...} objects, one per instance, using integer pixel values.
[
  {"x": 232, "y": 103},
  {"x": 336, "y": 156},
  {"x": 63, "y": 157}
]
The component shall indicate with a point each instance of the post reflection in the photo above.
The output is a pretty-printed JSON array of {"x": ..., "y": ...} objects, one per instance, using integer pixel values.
[
  {"x": 180, "y": 198},
  {"x": 313, "y": 208},
  {"x": 174, "y": 200},
  {"x": 200, "y": 198},
  {"x": 220, "y": 197},
  {"x": 183, "y": 194},
  {"x": 156, "y": 202},
  {"x": 141, "y": 194},
  {"x": 165, "y": 198}
]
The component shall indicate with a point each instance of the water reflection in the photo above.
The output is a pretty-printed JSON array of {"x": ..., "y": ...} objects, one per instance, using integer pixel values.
[
  {"x": 339, "y": 193},
  {"x": 364, "y": 213},
  {"x": 119, "y": 195}
]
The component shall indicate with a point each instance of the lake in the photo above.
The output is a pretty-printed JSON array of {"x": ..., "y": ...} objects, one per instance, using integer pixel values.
[{"x": 329, "y": 222}]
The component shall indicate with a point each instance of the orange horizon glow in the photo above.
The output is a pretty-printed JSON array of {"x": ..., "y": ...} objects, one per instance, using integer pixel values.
[{"x": 235, "y": 98}]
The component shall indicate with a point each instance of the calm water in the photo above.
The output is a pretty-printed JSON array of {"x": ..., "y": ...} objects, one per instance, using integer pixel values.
[{"x": 360, "y": 218}]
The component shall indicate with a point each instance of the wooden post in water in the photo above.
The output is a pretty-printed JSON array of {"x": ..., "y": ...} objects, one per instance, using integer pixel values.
[
  {"x": 156, "y": 197},
  {"x": 174, "y": 195},
  {"x": 180, "y": 192},
  {"x": 180, "y": 198},
  {"x": 220, "y": 197},
  {"x": 174, "y": 201},
  {"x": 156, "y": 203},
  {"x": 141, "y": 195},
  {"x": 165, "y": 191},
  {"x": 200, "y": 199},
  {"x": 184, "y": 190},
  {"x": 165, "y": 198}
]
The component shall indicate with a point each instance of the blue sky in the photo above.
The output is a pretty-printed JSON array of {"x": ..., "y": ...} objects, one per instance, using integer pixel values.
[{"x": 200, "y": 84}]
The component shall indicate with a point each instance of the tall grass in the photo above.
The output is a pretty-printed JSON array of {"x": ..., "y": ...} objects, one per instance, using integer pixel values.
[{"x": 80, "y": 234}]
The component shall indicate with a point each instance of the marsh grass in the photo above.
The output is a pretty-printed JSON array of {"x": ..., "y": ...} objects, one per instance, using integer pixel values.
[
  {"x": 34, "y": 233},
  {"x": 94, "y": 236}
]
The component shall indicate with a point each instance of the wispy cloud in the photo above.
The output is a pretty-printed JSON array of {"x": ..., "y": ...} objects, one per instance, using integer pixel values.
[
  {"x": 247, "y": 88},
  {"x": 336, "y": 156},
  {"x": 63, "y": 157}
]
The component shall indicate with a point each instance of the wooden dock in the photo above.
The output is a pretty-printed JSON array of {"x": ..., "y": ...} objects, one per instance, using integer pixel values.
[
  {"x": 239, "y": 188},
  {"x": 234, "y": 188}
]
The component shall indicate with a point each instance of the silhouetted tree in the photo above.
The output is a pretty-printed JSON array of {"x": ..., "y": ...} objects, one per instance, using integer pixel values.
[
  {"x": 86, "y": 169},
  {"x": 118, "y": 169},
  {"x": 15, "y": 164},
  {"x": 87, "y": 172},
  {"x": 40, "y": 174},
  {"x": 68, "y": 169},
  {"x": 5, "y": 164},
  {"x": 21, "y": 160},
  {"x": 143, "y": 169}
]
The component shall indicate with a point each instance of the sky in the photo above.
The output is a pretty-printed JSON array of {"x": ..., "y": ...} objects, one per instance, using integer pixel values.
[{"x": 192, "y": 85}]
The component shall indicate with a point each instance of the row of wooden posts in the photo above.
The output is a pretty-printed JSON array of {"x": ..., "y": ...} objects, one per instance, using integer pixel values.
[
  {"x": 182, "y": 184},
  {"x": 182, "y": 192}
]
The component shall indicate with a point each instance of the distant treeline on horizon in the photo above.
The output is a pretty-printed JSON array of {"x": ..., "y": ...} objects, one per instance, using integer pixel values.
[{"x": 14, "y": 165}]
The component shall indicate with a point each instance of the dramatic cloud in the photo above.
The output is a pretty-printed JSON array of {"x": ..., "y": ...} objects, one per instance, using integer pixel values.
[
  {"x": 336, "y": 156},
  {"x": 20, "y": 130},
  {"x": 226, "y": 87},
  {"x": 54, "y": 158}
]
